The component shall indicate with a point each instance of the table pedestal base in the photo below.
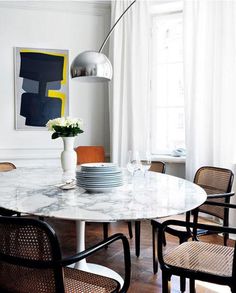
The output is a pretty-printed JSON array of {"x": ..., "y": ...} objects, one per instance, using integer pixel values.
[{"x": 90, "y": 267}]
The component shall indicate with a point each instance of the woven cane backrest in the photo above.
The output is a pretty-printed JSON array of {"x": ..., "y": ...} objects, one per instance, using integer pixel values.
[
  {"x": 6, "y": 166},
  {"x": 157, "y": 166},
  {"x": 214, "y": 180},
  {"x": 24, "y": 245}
]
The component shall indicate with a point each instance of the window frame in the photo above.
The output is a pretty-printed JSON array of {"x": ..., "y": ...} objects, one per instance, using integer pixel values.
[{"x": 160, "y": 10}]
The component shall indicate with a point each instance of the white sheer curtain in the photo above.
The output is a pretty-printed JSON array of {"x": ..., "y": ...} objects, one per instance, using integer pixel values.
[
  {"x": 129, "y": 94},
  {"x": 210, "y": 83}
]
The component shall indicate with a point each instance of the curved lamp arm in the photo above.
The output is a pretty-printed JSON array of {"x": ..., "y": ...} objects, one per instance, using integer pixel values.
[{"x": 111, "y": 30}]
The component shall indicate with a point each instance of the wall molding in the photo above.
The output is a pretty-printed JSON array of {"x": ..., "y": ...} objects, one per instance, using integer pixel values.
[
  {"x": 29, "y": 153},
  {"x": 81, "y": 7}
]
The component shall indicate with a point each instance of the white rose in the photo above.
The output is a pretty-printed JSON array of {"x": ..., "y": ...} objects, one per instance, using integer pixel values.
[{"x": 64, "y": 122}]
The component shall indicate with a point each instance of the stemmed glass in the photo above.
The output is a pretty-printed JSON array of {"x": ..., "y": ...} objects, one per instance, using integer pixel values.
[
  {"x": 146, "y": 162},
  {"x": 133, "y": 163}
]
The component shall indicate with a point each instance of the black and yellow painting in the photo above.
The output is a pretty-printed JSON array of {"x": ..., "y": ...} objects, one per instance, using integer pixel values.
[{"x": 41, "y": 86}]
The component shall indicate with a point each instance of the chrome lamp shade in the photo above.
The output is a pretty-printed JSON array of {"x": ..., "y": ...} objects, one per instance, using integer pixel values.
[{"x": 91, "y": 66}]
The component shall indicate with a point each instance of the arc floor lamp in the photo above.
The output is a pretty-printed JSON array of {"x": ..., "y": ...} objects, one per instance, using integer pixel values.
[{"x": 93, "y": 66}]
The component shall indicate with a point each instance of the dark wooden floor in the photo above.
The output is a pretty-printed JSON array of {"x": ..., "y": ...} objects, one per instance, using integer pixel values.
[{"x": 143, "y": 280}]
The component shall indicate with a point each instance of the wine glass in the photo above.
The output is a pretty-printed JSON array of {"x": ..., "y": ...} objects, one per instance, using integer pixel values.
[
  {"x": 134, "y": 163},
  {"x": 146, "y": 162}
]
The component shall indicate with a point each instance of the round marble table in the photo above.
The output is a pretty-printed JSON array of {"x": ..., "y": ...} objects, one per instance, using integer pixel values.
[{"x": 34, "y": 191}]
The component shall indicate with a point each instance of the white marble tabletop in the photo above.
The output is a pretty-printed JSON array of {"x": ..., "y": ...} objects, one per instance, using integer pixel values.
[{"x": 34, "y": 191}]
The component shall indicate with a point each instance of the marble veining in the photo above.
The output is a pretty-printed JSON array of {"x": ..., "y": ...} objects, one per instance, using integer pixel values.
[{"x": 34, "y": 191}]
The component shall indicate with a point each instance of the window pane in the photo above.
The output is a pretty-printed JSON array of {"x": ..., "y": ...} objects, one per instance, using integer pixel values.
[
  {"x": 167, "y": 107},
  {"x": 169, "y": 133}
]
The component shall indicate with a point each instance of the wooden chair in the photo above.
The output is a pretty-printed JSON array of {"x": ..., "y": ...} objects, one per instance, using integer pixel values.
[
  {"x": 198, "y": 260},
  {"x": 90, "y": 154},
  {"x": 217, "y": 182},
  {"x": 156, "y": 166},
  {"x": 5, "y": 167},
  {"x": 31, "y": 261}
]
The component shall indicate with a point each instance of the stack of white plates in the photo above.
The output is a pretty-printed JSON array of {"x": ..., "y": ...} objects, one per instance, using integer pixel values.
[{"x": 99, "y": 177}]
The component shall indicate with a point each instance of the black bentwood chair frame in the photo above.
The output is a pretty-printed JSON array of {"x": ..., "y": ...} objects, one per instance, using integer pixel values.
[
  {"x": 217, "y": 182},
  {"x": 31, "y": 261},
  {"x": 198, "y": 260}
]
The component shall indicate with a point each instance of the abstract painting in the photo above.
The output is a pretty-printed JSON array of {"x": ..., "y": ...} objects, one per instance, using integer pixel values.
[{"x": 41, "y": 86}]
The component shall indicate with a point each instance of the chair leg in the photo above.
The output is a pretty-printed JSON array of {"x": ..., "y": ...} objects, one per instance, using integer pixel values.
[
  {"x": 191, "y": 285},
  {"x": 137, "y": 238},
  {"x": 130, "y": 229},
  {"x": 233, "y": 289},
  {"x": 226, "y": 237},
  {"x": 105, "y": 232},
  {"x": 182, "y": 284},
  {"x": 164, "y": 239},
  {"x": 154, "y": 250},
  {"x": 166, "y": 285},
  {"x": 182, "y": 279}
]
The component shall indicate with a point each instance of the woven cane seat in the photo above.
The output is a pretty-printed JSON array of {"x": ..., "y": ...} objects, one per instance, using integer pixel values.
[
  {"x": 25, "y": 246},
  {"x": 182, "y": 217},
  {"x": 202, "y": 257},
  {"x": 80, "y": 282}
]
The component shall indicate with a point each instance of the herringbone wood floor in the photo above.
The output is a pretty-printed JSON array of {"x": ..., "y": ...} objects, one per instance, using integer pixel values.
[{"x": 143, "y": 280}]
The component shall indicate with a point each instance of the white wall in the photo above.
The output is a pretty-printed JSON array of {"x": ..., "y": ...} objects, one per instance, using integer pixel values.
[{"x": 75, "y": 26}]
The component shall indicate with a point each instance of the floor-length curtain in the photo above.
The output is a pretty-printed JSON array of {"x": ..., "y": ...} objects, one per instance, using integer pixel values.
[
  {"x": 210, "y": 83},
  {"x": 129, "y": 94}
]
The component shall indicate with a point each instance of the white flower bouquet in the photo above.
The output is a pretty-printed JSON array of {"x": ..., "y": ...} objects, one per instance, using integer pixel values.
[{"x": 65, "y": 127}]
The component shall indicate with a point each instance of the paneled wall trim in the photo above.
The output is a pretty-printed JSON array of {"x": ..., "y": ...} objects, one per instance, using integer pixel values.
[{"x": 31, "y": 157}]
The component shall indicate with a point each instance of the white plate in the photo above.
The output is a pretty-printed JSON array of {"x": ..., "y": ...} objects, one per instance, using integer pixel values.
[
  {"x": 100, "y": 171},
  {"x": 99, "y": 165},
  {"x": 100, "y": 185},
  {"x": 99, "y": 179},
  {"x": 119, "y": 176},
  {"x": 99, "y": 190},
  {"x": 98, "y": 174}
]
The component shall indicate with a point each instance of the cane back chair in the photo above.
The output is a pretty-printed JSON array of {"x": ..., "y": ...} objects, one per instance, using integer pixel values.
[
  {"x": 198, "y": 260},
  {"x": 217, "y": 182},
  {"x": 30, "y": 261}
]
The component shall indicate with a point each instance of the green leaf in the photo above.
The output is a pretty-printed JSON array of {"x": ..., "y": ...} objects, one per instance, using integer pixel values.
[{"x": 55, "y": 135}]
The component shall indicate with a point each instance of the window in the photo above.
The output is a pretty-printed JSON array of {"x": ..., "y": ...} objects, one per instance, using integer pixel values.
[{"x": 167, "y": 94}]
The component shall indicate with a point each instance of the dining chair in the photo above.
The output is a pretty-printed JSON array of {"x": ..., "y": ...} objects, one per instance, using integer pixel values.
[
  {"x": 156, "y": 166},
  {"x": 217, "y": 182},
  {"x": 5, "y": 167},
  {"x": 31, "y": 261},
  {"x": 90, "y": 154},
  {"x": 198, "y": 260}
]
